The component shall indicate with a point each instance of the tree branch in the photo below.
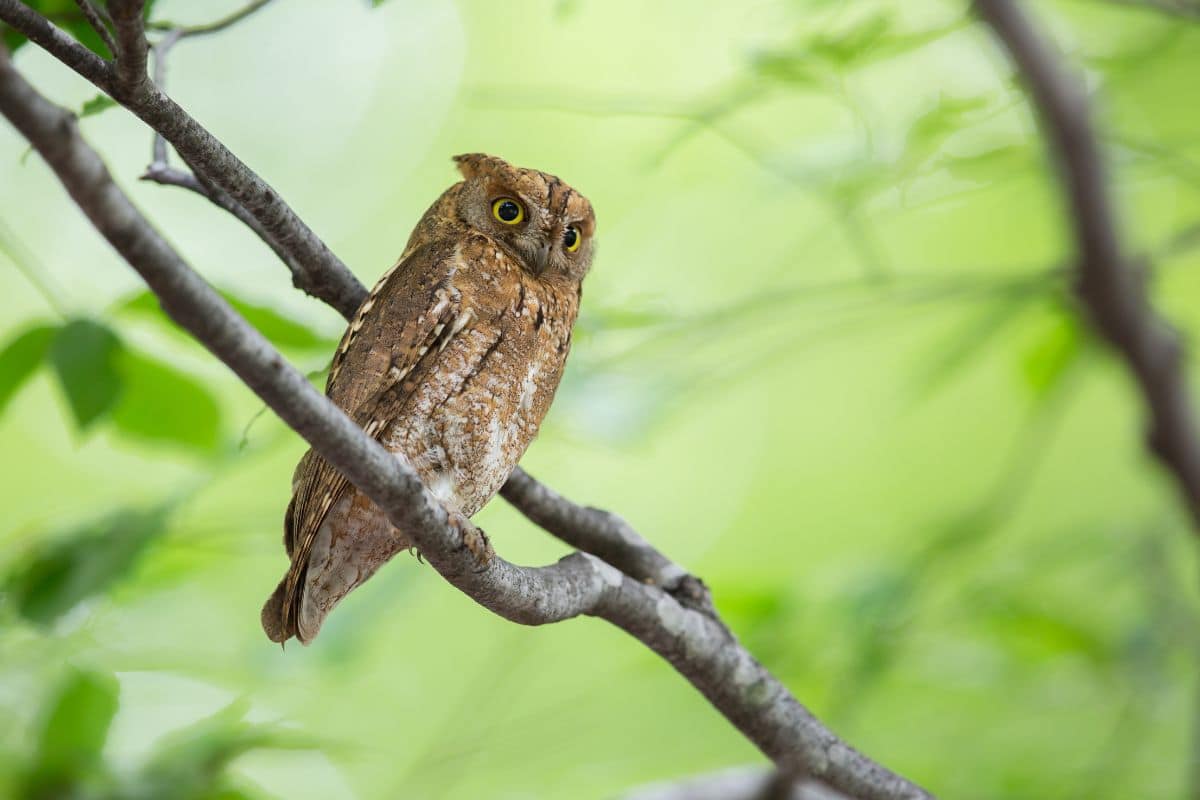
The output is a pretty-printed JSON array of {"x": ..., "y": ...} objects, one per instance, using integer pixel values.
[
  {"x": 315, "y": 269},
  {"x": 132, "y": 46},
  {"x": 93, "y": 18},
  {"x": 188, "y": 31},
  {"x": 737, "y": 783},
  {"x": 696, "y": 645},
  {"x": 1110, "y": 286},
  {"x": 606, "y": 536}
]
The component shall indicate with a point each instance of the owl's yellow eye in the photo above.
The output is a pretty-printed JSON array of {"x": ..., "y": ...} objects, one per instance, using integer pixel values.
[
  {"x": 572, "y": 239},
  {"x": 508, "y": 211}
]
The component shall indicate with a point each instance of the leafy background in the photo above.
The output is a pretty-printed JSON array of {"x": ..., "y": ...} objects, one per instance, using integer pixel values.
[{"x": 828, "y": 359}]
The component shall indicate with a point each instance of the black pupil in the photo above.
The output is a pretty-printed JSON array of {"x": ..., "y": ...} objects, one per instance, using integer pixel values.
[
  {"x": 508, "y": 211},
  {"x": 570, "y": 237}
]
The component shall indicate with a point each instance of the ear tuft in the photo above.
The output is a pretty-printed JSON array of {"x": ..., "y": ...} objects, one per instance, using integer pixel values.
[{"x": 473, "y": 165}]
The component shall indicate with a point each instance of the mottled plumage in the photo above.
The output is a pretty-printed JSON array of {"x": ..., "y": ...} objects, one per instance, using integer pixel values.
[{"x": 451, "y": 363}]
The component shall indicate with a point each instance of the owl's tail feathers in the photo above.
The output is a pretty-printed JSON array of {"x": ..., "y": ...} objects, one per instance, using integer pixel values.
[
  {"x": 272, "y": 615},
  {"x": 334, "y": 567}
]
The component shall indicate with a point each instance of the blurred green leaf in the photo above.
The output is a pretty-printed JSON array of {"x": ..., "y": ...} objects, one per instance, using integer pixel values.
[
  {"x": 785, "y": 67},
  {"x": 192, "y": 764},
  {"x": 63, "y": 571},
  {"x": 76, "y": 726},
  {"x": 96, "y": 105},
  {"x": 284, "y": 332},
  {"x": 1056, "y": 349},
  {"x": 990, "y": 165},
  {"x": 12, "y": 39},
  {"x": 20, "y": 357},
  {"x": 964, "y": 345},
  {"x": 845, "y": 47},
  {"x": 928, "y": 131},
  {"x": 1043, "y": 631},
  {"x": 84, "y": 355},
  {"x": 161, "y": 404}
]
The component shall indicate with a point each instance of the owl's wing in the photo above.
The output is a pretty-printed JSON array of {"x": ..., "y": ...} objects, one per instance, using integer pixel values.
[{"x": 407, "y": 319}]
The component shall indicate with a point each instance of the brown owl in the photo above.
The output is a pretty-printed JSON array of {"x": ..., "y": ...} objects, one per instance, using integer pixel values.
[{"x": 451, "y": 363}]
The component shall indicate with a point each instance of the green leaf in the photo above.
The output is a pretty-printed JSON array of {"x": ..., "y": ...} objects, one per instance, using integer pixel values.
[
  {"x": 66, "y": 14},
  {"x": 844, "y": 48},
  {"x": 948, "y": 116},
  {"x": 63, "y": 571},
  {"x": 13, "y": 39},
  {"x": 1057, "y": 348},
  {"x": 84, "y": 355},
  {"x": 193, "y": 763},
  {"x": 97, "y": 104},
  {"x": 20, "y": 357},
  {"x": 284, "y": 332},
  {"x": 965, "y": 344},
  {"x": 76, "y": 725},
  {"x": 786, "y": 68},
  {"x": 161, "y": 404},
  {"x": 988, "y": 165}
]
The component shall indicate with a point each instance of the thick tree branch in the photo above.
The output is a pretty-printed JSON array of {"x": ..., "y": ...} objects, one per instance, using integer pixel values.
[
  {"x": 606, "y": 536},
  {"x": 1110, "y": 285},
  {"x": 699, "y": 648},
  {"x": 315, "y": 269}
]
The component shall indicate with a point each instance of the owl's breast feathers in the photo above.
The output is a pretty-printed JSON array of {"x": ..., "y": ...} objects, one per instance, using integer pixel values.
[{"x": 450, "y": 362}]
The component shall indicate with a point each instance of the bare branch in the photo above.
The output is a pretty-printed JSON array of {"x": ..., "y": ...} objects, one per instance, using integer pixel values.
[
  {"x": 315, "y": 269},
  {"x": 606, "y": 536},
  {"x": 188, "y": 31},
  {"x": 738, "y": 783},
  {"x": 167, "y": 176},
  {"x": 132, "y": 46},
  {"x": 1110, "y": 285},
  {"x": 93, "y": 18},
  {"x": 696, "y": 645},
  {"x": 159, "y": 52}
]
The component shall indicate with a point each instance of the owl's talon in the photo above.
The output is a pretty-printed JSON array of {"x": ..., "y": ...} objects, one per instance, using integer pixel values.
[{"x": 474, "y": 540}]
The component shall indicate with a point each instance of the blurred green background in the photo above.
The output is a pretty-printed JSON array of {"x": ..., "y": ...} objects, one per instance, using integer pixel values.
[{"x": 827, "y": 359}]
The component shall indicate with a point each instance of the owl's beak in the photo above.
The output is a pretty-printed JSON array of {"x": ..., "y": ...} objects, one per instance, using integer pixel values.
[{"x": 542, "y": 259}]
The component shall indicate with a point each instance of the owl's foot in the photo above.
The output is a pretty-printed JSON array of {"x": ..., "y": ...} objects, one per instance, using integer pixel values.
[{"x": 474, "y": 540}]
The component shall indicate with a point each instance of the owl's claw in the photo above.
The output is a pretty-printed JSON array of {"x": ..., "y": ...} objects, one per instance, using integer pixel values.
[{"x": 474, "y": 540}]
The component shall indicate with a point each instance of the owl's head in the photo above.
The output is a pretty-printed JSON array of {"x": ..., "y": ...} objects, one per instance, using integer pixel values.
[{"x": 548, "y": 225}]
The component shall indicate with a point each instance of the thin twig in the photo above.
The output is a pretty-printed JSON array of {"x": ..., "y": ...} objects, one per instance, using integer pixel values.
[
  {"x": 41, "y": 280},
  {"x": 93, "y": 17},
  {"x": 1110, "y": 285},
  {"x": 186, "y": 31},
  {"x": 159, "y": 53}
]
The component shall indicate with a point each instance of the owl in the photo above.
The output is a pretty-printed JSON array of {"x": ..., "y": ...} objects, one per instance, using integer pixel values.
[{"x": 451, "y": 363}]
